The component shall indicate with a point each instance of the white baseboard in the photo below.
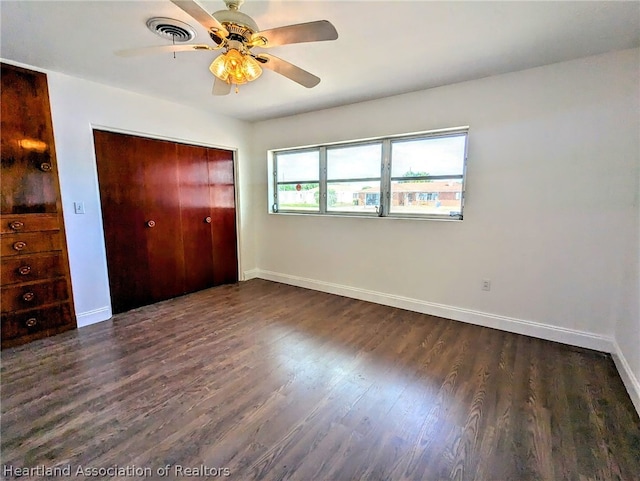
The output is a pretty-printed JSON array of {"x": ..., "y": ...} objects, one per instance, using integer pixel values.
[
  {"x": 519, "y": 326},
  {"x": 628, "y": 378},
  {"x": 250, "y": 274},
  {"x": 91, "y": 317}
]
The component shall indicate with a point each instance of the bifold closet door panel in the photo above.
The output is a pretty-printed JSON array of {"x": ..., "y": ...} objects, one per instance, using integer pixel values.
[
  {"x": 124, "y": 218},
  {"x": 163, "y": 225},
  {"x": 195, "y": 213},
  {"x": 223, "y": 214}
]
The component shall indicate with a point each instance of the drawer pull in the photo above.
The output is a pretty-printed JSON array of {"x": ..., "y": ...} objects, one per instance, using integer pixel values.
[
  {"x": 24, "y": 270},
  {"x": 207, "y": 220},
  {"x": 31, "y": 322},
  {"x": 151, "y": 223},
  {"x": 28, "y": 296},
  {"x": 19, "y": 245},
  {"x": 45, "y": 167},
  {"x": 16, "y": 225}
]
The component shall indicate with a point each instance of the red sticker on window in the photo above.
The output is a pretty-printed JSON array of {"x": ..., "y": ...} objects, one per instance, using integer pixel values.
[{"x": 298, "y": 187}]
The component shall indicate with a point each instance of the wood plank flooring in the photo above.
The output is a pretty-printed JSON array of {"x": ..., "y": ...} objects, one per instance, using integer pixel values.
[{"x": 264, "y": 381}]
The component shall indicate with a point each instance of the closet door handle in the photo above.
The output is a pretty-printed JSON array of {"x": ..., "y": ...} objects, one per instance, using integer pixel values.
[
  {"x": 151, "y": 223},
  {"x": 207, "y": 220}
]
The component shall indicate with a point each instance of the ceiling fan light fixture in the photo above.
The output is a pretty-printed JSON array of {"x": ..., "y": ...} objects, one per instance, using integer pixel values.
[
  {"x": 218, "y": 69},
  {"x": 235, "y": 67},
  {"x": 252, "y": 69}
]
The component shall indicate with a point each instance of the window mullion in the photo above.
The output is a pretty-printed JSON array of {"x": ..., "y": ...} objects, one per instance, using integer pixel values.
[
  {"x": 275, "y": 206},
  {"x": 323, "y": 180},
  {"x": 463, "y": 195},
  {"x": 385, "y": 178}
]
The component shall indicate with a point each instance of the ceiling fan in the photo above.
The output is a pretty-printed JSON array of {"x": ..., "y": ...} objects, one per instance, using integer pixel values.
[{"x": 237, "y": 35}]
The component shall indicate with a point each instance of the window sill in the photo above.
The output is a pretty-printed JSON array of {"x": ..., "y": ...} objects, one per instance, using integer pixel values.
[{"x": 372, "y": 216}]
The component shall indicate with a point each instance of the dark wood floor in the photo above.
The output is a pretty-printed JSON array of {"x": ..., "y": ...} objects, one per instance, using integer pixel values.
[{"x": 275, "y": 382}]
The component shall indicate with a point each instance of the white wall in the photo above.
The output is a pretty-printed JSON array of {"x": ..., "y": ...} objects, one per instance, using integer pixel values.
[
  {"x": 627, "y": 332},
  {"x": 551, "y": 215},
  {"x": 77, "y": 106}
]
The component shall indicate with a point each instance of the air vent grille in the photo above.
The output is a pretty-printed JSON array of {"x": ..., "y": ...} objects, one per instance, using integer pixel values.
[{"x": 171, "y": 29}]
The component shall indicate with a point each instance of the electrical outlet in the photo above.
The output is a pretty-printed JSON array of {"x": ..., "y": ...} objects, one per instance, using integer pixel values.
[
  {"x": 486, "y": 284},
  {"x": 78, "y": 207}
]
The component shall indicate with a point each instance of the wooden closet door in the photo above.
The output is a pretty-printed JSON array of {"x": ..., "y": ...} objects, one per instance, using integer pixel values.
[
  {"x": 169, "y": 217},
  {"x": 140, "y": 202},
  {"x": 193, "y": 178},
  {"x": 165, "y": 250},
  {"x": 123, "y": 219},
  {"x": 223, "y": 214}
]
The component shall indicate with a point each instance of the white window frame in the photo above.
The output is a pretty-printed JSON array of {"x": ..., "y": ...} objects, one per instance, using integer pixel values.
[
  {"x": 383, "y": 211},
  {"x": 274, "y": 207}
]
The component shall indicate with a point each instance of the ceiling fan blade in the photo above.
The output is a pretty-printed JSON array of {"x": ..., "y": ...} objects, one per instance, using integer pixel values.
[
  {"x": 303, "y": 32},
  {"x": 204, "y": 18},
  {"x": 162, "y": 49},
  {"x": 289, "y": 70},
  {"x": 220, "y": 87}
]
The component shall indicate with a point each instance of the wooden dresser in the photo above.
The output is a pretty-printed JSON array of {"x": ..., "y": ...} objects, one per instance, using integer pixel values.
[{"x": 36, "y": 287}]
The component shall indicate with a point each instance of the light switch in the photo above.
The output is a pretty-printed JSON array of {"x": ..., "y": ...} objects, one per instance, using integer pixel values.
[{"x": 78, "y": 207}]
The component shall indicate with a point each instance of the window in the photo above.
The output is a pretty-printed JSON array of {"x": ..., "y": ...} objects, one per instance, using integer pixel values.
[
  {"x": 353, "y": 178},
  {"x": 427, "y": 175},
  {"x": 372, "y": 199},
  {"x": 298, "y": 181},
  {"x": 418, "y": 175}
]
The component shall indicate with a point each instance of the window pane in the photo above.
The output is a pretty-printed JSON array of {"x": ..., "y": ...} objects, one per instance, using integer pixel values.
[
  {"x": 358, "y": 197},
  {"x": 354, "y": 162},
  {"x": 441, "y": 197},
  {"x": 429, "y": 156},
  {"x": 298, "y": 166},
  {"x": 299, "y": 197}
]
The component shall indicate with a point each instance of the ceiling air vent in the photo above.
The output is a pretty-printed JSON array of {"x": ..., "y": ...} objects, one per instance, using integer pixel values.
[{"x": 171, "y": 29}]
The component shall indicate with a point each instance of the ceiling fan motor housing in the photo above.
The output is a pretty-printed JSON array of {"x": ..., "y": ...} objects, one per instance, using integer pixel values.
[{"x": 237, "y": 23}]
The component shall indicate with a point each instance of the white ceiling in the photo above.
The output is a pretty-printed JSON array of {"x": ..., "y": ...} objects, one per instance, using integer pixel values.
[{"x": 384, "y": 47}]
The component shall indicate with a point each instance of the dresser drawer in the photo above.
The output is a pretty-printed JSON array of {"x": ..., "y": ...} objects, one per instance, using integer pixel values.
[
  {"x": 35, "y": 321},
  {"x": 33, "y": 295},
  {"x": 11, "y": 224},
  {"x": 33, "y": 268},
  {"x": 28, "y": 243}
]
